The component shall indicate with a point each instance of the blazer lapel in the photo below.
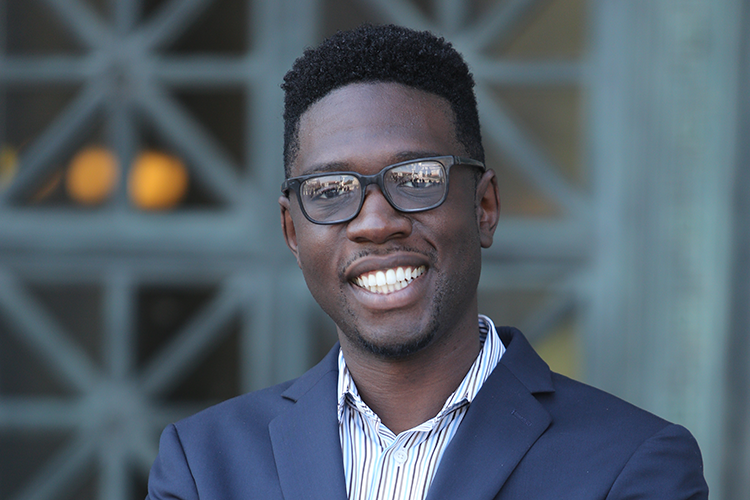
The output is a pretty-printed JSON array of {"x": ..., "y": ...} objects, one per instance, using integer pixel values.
[
  {"x": 305, "y": 438},
  {"x": 502, "y": 424}
]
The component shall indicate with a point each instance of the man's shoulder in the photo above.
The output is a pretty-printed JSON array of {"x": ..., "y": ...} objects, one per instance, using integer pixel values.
[
  {"x": 585, "y": 404},
  {"x": 592, "y": 433},
  {"x": 214, "y": 448},
  {"x": 575, "y": 406}
]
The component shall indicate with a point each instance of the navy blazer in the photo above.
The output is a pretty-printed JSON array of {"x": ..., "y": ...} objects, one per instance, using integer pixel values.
[{"x": 529, "y": 434}]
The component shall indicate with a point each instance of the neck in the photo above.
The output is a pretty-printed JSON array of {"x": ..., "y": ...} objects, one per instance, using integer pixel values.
[{"x": 409, "y": 391}]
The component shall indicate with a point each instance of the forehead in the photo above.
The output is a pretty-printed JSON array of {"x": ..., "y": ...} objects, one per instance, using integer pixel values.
[{"x": 366, "y": 126}]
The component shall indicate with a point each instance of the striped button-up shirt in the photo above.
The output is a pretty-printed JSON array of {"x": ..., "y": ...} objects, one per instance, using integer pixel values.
[{"x": 379, "y": 465}]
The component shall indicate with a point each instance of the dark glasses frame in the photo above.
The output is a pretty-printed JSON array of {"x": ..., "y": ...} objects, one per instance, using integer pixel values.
[{"x": 294, "y": 184}]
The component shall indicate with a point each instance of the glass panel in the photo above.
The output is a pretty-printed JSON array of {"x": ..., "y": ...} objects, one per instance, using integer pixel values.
[
  {"x": 34, "y": 29},
  {"x": 518, "y": 196},
  {"x": 78, "y": 310},
  {"x": 30, "y": 109},
  {"x": 23, "y": 371},
  {"x": 561, "y": 349},
  {"x": 217, "y": 376},
  {"x": 162, "y": 312},
  {"x": 22, "y": 453}
]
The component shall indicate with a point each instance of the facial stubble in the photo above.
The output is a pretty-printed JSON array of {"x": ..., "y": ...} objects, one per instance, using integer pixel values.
[{"x": 395, "y": 350}]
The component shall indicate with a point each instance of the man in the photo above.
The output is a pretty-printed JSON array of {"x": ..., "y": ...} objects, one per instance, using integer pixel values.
[{"x": 386, "y": 206}]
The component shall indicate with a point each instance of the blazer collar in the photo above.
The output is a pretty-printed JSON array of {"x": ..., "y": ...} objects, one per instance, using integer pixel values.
[
  {"x": 502, "y": 424},
  {"x": 305, "y": 438},
  {"x": 523, "y": 362}
]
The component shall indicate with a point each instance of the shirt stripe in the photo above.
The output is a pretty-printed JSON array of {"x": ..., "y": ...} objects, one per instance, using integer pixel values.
[{"x": 379, "y": 465}]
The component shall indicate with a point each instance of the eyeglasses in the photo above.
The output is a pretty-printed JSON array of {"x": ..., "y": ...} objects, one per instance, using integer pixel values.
[{"x": 409, "y": 186}]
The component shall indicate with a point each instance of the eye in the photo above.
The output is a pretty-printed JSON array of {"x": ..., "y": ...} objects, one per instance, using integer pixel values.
[
  {"x": 418, "y": 176},
  {"x": 417, "y": 182},
  {"x": 327, "y": 192},
  {"x": 328, "y": 189}
]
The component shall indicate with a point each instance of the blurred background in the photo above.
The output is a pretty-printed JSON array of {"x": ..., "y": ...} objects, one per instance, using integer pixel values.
[{"x": 143, "y": 275}]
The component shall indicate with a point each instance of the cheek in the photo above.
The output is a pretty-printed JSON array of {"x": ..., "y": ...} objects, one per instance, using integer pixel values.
[
  {"x": 457, "y": 240},
  {"x": 309, "y": 253},
  {"x": 316, "y": 247},
  {"x": 457, "y": 223}
]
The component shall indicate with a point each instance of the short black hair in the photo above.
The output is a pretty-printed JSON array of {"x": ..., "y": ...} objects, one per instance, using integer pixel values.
[{"x": 382, "y": 53}]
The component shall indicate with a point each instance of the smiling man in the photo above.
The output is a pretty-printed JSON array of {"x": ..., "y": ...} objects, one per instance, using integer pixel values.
[{"x": 386, "y": 206}]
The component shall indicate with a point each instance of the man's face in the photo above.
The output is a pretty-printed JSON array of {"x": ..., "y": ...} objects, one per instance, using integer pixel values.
[{"x": 363, "y": 128}]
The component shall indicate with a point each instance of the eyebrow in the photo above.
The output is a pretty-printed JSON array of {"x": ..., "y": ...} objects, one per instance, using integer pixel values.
[
  {"x": 334, "y": 166},
  {"x": 341, "y": 166}
]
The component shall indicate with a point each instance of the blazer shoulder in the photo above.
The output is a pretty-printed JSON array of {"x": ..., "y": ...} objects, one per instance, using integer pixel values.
[
  {"x": 597, "y": 445},
  {"x": 227, "y": 450},
  {"x": 582, "y": 402},
  {"x": 566, "y": 400}
]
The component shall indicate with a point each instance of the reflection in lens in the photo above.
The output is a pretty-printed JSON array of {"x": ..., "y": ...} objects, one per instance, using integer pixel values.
[
  {"x": 416, "y": 185},
  {"x": 330, "y": 197}
]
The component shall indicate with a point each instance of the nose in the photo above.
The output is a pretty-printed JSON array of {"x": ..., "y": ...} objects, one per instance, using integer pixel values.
[{"x": 378, "y": 221}]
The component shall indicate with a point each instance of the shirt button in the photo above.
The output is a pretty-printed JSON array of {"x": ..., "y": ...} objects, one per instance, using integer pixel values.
[{"x": 400, "y": 456}]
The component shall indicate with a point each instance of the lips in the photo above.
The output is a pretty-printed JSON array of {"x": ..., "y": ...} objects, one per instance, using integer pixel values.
[{"x": 388, "y": 280}]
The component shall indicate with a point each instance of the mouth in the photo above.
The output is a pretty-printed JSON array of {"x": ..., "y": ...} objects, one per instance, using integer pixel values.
[{"x": 388, "y": 280}]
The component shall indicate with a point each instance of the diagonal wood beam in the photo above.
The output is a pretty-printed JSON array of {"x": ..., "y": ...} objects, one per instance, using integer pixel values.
[
  {"x": 190, "y": 345},
  {"x": 499, "y": 23},
  {"x": 64, "y": 470},
  {"x": 83, "y": 22},
  {"x": 36, "y": 328},
  {"x": 57, "y": 138},
  {"x": 126, "y": 14},
  {"x": 527, "y": 156},
  {"x": 170, "y": 22}
]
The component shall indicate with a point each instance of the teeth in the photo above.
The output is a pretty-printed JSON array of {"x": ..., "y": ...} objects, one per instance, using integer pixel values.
[
  {"x": 380, "y": 278},
  {"x": 390, "y": 280},
  {"x": 390, "y": 276}
]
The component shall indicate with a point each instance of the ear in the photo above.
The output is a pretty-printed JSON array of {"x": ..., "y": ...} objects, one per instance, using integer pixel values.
[
  {"x": 488, "y": 207},
  {"x": 287, "y": 226}
]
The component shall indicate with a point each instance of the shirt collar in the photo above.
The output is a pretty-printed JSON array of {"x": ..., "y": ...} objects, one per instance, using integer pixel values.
[{"x": 489, "y": 355}]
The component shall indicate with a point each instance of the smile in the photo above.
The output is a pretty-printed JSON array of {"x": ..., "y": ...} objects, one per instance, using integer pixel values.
[{"x": 389, "y": 280}]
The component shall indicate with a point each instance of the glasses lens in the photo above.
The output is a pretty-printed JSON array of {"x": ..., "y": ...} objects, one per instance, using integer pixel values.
[
  {"x": 416, "y": 185},
  {"x": 330, "y": 197}
]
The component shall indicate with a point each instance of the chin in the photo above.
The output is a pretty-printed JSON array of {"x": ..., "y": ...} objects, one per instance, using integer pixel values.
[{"x": 393, "y": 350}]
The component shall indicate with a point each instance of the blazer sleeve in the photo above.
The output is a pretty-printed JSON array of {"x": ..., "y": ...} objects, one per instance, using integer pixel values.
[
  {"x": 667, "y": 466},
  {"x": 170, "y": 477}
]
